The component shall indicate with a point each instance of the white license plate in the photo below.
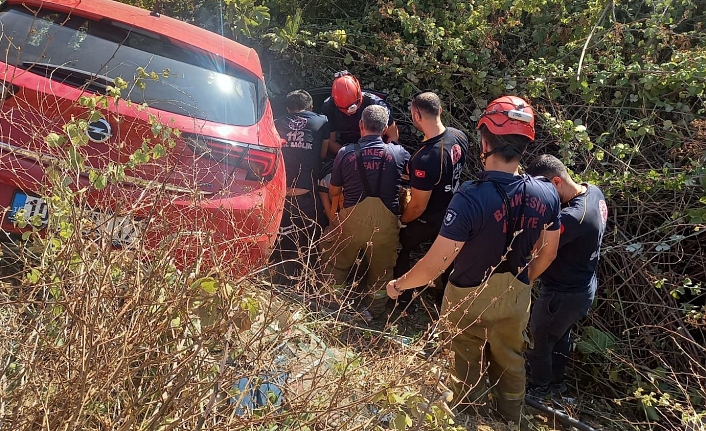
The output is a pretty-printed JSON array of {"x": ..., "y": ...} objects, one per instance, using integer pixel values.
[
  {"x": 30, "y": 207},
  {"x": 122, "y": 229}
]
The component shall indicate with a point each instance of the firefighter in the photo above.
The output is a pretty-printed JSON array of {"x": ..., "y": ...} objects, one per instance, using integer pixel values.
[
  {"x": 434, "y": 172},
  {"x": 569, "y": 284},
  {"x": 369, "y": 173},
  {"x": 491, "y": 228},
  {"x": 344, "y": 109},
  {"x": 305, "y": 134}
]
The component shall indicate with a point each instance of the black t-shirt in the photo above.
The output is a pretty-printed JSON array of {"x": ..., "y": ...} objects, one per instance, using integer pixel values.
[
  {"x": 428, "y": 171},
  {"x": 476, "y": 216},
  {"x": 345, "y": 172},
  {"x": 583, "y": 221},
  {"x": 303, "y": 132},
  {"x": 347, "y": 125}
]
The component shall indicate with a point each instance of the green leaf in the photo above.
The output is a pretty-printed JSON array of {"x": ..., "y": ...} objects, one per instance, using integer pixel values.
[
  {"x": 76, "y": 160},
  {"x": 33, "y": 276},
  {"x": 87, "y": 102},
  {"x": 98, "y": 180},
  {"x": 77, "y": 136},
  {"x": 596, "y": 341},
  {"x": 348, "y": 59},
  {"x": 55, "y": 140},
  {"x": 207, "y": 284},
  {"x": 120, "y": 83},
  {"x": 158, "y": 151},
  {"x": 95, "y": 116},
  {"x": 649, "y": 409},
  {"x": 55, "y": 292},
  {"x": 402, "y": 421}
]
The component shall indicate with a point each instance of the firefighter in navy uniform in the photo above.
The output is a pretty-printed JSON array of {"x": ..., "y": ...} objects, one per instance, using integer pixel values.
[
  {"x": 344, "y": 109},
  {"x": 305, "y": 134},
  {"x": 434, "y": 175},
  {"x": 491, "y": 228},
  {"x": 369, "y": 173}
]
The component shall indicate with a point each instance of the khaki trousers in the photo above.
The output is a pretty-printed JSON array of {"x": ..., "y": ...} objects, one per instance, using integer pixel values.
[
  {"x": 367, "y": 227},
  {"x": 488, "y": 326}
]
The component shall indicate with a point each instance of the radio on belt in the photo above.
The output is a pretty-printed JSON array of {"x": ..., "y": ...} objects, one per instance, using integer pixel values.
[{"x": 520, "y": 116}]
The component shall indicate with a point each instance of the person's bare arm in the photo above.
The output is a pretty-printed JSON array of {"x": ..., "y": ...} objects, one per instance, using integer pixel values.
[
  {"x": 324, "y": 148},
  {"x": 326, "y": 202},
  {"x": 334, "y": 191},
  {"x": 392, "y": 133},
  {"x": 433, "y": 264},
  {"x": 336, "y": 205},
  {"x": 544, "y": 252},
  {"x": 416, "y": 206},
  {"x": 333, "y": 146}
]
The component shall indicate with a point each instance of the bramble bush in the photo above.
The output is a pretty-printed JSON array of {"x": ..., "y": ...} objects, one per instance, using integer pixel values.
[{"x": 619, "y": 92}]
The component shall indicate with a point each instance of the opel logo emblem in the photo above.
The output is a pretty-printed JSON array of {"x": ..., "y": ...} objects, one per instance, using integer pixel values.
[{"x": 99, "y": 131}]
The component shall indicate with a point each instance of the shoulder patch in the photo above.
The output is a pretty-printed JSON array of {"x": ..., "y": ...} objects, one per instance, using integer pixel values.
[
  {"x": 455, "y": 154},
  {"x": 604, "y": 210},
  {"x": 419, "y": 173},
  {"x": 450, "y": 217}
]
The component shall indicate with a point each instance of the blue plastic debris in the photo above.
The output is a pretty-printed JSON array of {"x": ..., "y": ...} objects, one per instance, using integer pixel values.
[{"x": 258, "y": 392}]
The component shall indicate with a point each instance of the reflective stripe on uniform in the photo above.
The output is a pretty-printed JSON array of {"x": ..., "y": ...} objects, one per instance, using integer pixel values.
[
  {"x": 288, "y": 230},
  {"x": 380, "y": 294}
]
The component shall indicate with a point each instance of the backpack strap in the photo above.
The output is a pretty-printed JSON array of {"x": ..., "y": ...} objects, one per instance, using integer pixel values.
[
  {"x": 382, "y": 166},
  {"x": 361, "y": 170},
  {"x": 364, "y": 177},
  {"x": 511, "y": 223}
]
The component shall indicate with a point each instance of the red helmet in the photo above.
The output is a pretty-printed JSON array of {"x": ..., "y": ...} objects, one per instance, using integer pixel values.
[
  {"x": 346, "y": 92},
  {"x": 508, "y": 115}
]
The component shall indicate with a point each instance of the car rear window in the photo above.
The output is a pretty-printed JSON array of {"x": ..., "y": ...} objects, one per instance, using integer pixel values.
[{"x": 159, "y": 71}]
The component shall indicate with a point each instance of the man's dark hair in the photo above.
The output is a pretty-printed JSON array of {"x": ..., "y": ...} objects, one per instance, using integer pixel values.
[
  {"x": 547, "y": 166},
  {"x": 299, "y": 100},
  {"x": 509, "y": 147},
  {"x": 375, "y": 119},
  {"x": 428, "y": 104}
]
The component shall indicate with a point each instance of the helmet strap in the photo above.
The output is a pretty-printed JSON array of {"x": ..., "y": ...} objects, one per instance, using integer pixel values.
[{"x": 484, "y": 155}]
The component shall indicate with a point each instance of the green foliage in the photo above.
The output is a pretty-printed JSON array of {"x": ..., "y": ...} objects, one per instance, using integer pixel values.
[{"x": 596, "y": 341}]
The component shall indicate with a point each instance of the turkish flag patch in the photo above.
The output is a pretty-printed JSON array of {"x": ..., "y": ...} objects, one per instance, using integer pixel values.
[{"x": 420, "y": 174}]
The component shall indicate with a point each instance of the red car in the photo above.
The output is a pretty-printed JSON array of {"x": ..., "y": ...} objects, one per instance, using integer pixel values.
[{"x": 216, "y": 196}]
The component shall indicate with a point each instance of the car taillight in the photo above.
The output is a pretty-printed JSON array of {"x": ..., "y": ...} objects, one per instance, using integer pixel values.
[{"x": 258, "y": 162}]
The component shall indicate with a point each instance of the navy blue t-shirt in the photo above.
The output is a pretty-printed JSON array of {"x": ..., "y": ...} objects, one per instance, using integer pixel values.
[
  {"x": 345, "y": 172},
  {"x": 347, "y": 125},
  {"x": 476, "y": 216},
  {"x": 303, "y": 132},
  {"x": 583, "y": 221},
  {"x": 428, "y": 171}
]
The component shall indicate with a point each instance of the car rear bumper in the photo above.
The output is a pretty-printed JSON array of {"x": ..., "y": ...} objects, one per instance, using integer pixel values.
[{"x": 234, "y": 233}]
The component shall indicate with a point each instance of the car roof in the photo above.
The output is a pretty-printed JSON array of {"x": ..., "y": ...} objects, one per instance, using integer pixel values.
[{"x": 172, "y": 28}]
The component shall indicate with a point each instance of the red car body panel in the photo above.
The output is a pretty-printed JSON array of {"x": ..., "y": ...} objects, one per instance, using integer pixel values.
[
  {"x": 174, "y": 29},
  {"x": 234, "y": 221}
]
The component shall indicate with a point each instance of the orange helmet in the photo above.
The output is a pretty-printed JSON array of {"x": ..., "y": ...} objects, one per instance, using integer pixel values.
[
  {"x": 508, "y": 115},
  {"x": 346, "y": 92}
]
